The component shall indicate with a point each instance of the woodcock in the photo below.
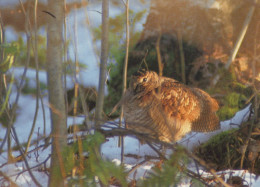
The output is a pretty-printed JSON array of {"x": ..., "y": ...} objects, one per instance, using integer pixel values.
[{"x": 165, "y": 109}]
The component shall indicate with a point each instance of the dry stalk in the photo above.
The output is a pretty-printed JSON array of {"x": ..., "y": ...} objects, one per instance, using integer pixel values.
[
  {"x": 121, "y": 139},
  {"x": 238, "y": 42},
  {"x": 158, "y": 52}
]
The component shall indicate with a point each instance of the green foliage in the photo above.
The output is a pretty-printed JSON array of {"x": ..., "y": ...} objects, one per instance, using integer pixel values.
[
  {"x": 233, "y": 103},
  {"x": 171, "y": 172},
  {"x": 70, "y": 67},
  {"x": 117, "y": 32},
  {"x": 232, "y": 95},
  {"x": 9, "y": 51},
  {"x": 94, "y": 165},
  {"x": 196, "y": 183},
  {"x": 233, "y": 99},
  {"x": 19, "y": 48},
  {"x": 27, "y": 89},
  {"x": 3, "y": 116},
  {"x": 22, "y": 53},
  {"x": 227, "y": 112}
]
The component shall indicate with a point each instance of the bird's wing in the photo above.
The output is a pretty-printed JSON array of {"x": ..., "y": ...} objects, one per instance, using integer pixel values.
[
  {"x": 189, "y": 104},
  {"x": 208, "y": 120},
  {"x": 178, "y": 101},
  {"x": 211, "y": 102}
]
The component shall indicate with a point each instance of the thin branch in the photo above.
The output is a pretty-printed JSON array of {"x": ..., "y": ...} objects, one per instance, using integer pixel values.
[
  {"x": 194, "y": 175},
  {"x": 13, "y": 184},
  {"x": 124, "y": 132},
  {"x": 36, "y": 166},
  {"x": 157, "y": 151},
  {"x": 35, "y": 50},
  {"x": 76, "y": 85},
  {"x": 24, "y": 158},
  {"x": 137, "y": 166},
  {"x": 212, "y": 171}
]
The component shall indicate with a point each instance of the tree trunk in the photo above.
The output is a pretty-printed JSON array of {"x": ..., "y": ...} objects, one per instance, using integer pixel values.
[
  {"x": 103, "y": 63},
  {"x": 55, "y": 90}
]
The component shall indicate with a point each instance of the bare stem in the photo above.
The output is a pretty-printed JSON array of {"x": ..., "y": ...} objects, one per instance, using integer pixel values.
[{"x": 238, "y": 42}]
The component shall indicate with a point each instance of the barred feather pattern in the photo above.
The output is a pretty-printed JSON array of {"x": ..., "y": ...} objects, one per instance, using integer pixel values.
[{"x": 167, "y": 110}]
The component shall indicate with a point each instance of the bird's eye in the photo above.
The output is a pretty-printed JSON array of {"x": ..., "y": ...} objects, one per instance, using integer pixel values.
[{"x": 144, "y": 79}]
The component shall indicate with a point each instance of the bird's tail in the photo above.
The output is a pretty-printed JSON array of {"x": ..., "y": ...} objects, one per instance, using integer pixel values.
[{"x": 208, "y": 123}]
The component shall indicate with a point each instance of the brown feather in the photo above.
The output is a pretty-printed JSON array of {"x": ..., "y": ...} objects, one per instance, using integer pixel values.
[{"x": 166, "y": 109}]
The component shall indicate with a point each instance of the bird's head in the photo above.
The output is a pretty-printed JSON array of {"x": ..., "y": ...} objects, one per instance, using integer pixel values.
[{"x": 144, "y": 81}]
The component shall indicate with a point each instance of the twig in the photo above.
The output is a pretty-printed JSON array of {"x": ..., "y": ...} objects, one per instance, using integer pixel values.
[
  {"x": 76, "y": 75},
  {"x": 192, "y": 174},
  {"x": 124, "y": 132},
  {"x": 144, "y": 61},
  {"x": 212, "y": 171},
  {"x": 158, "y": 152},
  {"x": 3, "y": 142},
  {"x": 137, "y": 166},
  {"x": 158, "y": 52},
  {"x": 13, "y": 184},
  {"x": 24, "y": 158},
  {"x": 36, "y": 166}
]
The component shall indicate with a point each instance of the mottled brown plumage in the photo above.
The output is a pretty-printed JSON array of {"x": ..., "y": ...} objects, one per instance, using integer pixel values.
[{"x": 166, "y": 109}]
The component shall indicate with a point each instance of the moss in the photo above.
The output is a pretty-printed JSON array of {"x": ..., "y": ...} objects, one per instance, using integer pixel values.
[
  {"x": 232, "y": 103},
  {"x": 240, "y": 88},
  {"x": 232, "y": 99},
  {"x": 223, "y": 151},
  {"x": 227, "y": 112},
  {"x": 28, "y": 89},
  {"x": 219, "y": 138},
  {"x": 220, "y": 150},
  {"x": 232, "y": 95}
]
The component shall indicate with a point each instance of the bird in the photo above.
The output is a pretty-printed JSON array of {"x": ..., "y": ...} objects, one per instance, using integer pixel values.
[{"x": 165, "y": 109}]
